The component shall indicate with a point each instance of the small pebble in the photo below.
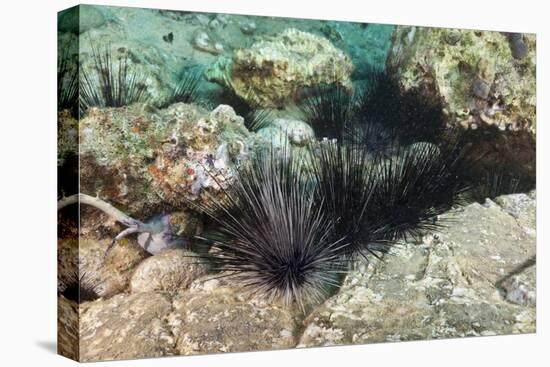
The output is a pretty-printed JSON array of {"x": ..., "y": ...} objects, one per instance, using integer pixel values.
[{"x": 481, "y": 89}]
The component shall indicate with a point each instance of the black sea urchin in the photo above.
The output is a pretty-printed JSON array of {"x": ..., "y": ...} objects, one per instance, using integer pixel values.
[
  {"x": 411, "y": 115},
  {"x": 81, "y": 287},
  {"x": 344, "y": 180},
  {"x": 328, "y": 110},
  {"x": 272, "y": 236},
  {"x": 413, "y": 186},
  {"x": 186, "y": 90},
  {"x": 112, "y": 84},
  {"x": 503, "y": 180},
  {"x": 255, "y": 117},
  {"x": 67, "y": 82}
]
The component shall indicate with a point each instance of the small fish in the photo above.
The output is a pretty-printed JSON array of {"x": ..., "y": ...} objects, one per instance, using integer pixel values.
[{"x": 168, "y": 38}]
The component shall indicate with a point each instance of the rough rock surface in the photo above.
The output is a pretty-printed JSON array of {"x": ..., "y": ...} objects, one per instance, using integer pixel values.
[
  {"x": 474, "y": 72},
  {"x": 124, "y": 327},
  {"x": 213, "y": 318},
  {"x": 485, "y": 87},
  {"x": 474, "y": 277},
  {"x": 111, "y": 274},
  {"x": 170, "y": 271},
  {"x": 67, "y": 136},
  {"x": 147, "y": 161},
  {"x": 67, "y": 328},
  {"x": 272, "y": 70},
  {"x": 522, "y": 207},
  {"x": 450, "y": 285}
]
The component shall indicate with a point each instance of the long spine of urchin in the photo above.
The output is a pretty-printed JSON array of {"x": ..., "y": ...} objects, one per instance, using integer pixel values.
[
  {"x": 272, "y": 236},
  {"x": 286, "y": 230}
]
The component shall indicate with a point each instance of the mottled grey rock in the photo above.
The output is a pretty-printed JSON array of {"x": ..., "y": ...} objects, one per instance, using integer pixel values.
[
  {"x": 523, "y": 207},
  {"x": 170, "y": 271},
  {"x": 67, "y": 328},
  {"x": 271, "y": 71},
  {"x": 124, "y": 327},
  {"x": 521, "y": 287},
  {"x": 298, "y": 132},
  {"x": 450, "y": 285},
  {"x": 110, "y": 273},
  {"x": 213, "y": 317}
]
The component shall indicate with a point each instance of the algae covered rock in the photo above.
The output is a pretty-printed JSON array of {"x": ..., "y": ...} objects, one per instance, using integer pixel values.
[
  {"x": 214, "y": 316},
  {"x": 150, "y": 161},
  {"x": 274, "y": 69},
  {"x": 67, "y": 328},
  {"x": 474, "y": 277},
  {"x": 110, "y": 274},
  {"x": 479, "y": 75},
  {"x": 124, "y": 327},
  {"x": 170, "y": 271}
]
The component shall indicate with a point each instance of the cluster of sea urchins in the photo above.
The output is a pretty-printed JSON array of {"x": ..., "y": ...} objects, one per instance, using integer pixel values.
[{"x": 288, "y": 227}]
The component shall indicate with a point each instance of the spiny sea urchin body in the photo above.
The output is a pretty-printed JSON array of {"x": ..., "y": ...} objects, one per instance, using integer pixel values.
[
  {"x": 186, "y": 89},
  {"x": 413, "y": 186},
  {"x": 328, "y": 110},
  {"x": 80, "y": 287},
  {"x": 112, "y": 83},
  {"x": 343, "y": 175},
  {"x": 409, "y": 115},
  {"x": 272, "y": 236}
]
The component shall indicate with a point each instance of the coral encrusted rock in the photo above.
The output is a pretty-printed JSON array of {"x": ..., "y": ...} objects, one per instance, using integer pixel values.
[
  {"x": 147, "y": 161},
  {"x": 274, "y": 69},
  {"x": 485, "y": 80},
  {"x": 478, "y": 74}
]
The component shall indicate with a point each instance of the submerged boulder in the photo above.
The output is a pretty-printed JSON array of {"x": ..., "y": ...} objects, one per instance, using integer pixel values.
[
  {"x": 124, "y": 327},
  {"x": 486, "y": 81},
  {"x": 150, "y": 161},
  {"x": 216, "y": 316},
  {"x": 170, "y": 271},
  {"x": 109, "y": 274},
  {"x": 272, "y": 71},
  {"x": 477, "y": 73},
  {"x": 474, "y": 277}
]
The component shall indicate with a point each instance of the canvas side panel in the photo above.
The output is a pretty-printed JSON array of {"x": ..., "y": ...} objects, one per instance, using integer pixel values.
[{"x": 68, "y": 277}]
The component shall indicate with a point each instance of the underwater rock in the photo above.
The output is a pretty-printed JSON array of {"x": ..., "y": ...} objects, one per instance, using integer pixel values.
[
  {"x": 213, "y": 318},
  {"x": 521, "y": 288},
  {"x": 202, "y": 41},
  {"x": 462, "y": 66},
  {"x": 67, "y": 328},
  {"x": 111, "y": 274},
  {"x": 274, "y": 138},
  {"x": 248, "y": 28},
  {"x": 272, "y": 70},
  {"x": 518, "y": 46},
  {"x": 298, "y": 132},
  {"x": 125, "y": 327},
  {"x": 67, "y": 136},
  {"x": 170, "y": 271},
  {"x": 80, "y": 19},
  {"x": 151, "y": 161},
  {"x": 523, "y": 207},
  {"x": 283, "y": 134},
  {"x": 447, "y": 286}
]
